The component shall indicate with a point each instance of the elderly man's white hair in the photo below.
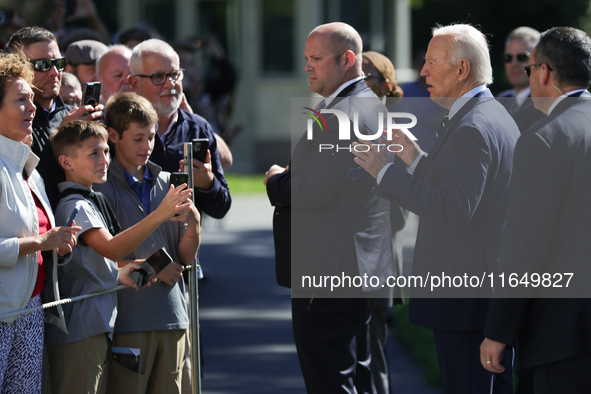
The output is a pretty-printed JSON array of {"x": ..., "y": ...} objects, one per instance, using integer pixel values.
[
  {"x": 111, "y": 49},
  {"x": 469, "y": 43},
  {"x": 153, "y": 45}
]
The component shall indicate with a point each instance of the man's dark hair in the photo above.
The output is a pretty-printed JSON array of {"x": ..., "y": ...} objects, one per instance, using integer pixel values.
[
  {"x": 568, "y": 53},
  {"x": 27, "y": 36}
]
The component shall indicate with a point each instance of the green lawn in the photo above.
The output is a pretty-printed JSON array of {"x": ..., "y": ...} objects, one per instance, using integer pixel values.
[{"x": 245, "y": 184}]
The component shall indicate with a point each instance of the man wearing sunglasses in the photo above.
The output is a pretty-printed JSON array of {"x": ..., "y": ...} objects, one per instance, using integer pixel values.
[
  {"x": 548, "y": 225},
  {"x": 518, "y": 47},
  {"x": 40, "y": 48}
]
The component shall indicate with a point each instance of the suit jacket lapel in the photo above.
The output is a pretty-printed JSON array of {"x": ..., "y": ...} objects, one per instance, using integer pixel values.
[{"x": 304, "y": 146}]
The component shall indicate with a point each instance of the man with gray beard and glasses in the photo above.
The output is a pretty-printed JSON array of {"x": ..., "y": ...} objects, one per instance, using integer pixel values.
[{"x": 156, "y": 75}]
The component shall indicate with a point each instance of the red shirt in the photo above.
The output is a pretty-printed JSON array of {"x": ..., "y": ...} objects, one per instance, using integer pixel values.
[{"x": 44, "y": 226}]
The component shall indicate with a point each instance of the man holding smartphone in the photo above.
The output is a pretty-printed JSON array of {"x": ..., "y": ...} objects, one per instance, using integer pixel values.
[
  {"x": 157, "y": 76},
  {"x": 40, "y": 48}
]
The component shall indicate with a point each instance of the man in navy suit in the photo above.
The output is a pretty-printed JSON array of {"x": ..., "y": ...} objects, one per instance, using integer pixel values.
[
  {"x": 549, "y": 225},
  {"x": 460, "y": 191},
  {"x": 518, "y": 48},
  {"x": 328, "y": 209}
]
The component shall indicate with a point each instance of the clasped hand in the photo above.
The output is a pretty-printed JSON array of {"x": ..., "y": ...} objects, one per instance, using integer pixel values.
[{"x": 374, "y": 158}]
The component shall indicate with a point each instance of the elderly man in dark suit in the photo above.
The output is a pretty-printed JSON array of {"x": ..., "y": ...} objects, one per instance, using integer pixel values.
[
  {"x": 338, "y": 224},
  {"x": 460, "y": 191},
  {"x": 518, "y": 47},
  {"x": 549, "y": 224}
]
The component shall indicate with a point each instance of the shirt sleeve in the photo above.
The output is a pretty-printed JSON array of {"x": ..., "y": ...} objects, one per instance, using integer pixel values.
[
  {"x": 215, "y": 202},
  {"x": 88, "y": 217},
  {"x": 415, "y": 163}
]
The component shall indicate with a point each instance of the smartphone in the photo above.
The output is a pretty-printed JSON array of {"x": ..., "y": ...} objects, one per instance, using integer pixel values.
[
  {"x": 178, "y": 178},
  {"x": 91, "y": 94},
  {"x": 200, "y": 147},
  {"x": 151, "y": 267}
]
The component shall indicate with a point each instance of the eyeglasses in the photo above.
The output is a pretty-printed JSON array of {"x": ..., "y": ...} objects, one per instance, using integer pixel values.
[
  {"x": 44, "y": 65},
  {"x": 160, "y": 78},
  {"x": 369, "y": 75},
  {"x": 521, "y": 57},
  {"x": 529, "y": 67}
]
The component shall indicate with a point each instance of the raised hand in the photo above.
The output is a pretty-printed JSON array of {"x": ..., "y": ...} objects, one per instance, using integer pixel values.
[
  {"x": 203, "y": 176},
  {"x": 84, "y": 112},
  {"x": 174, "y": 202}
]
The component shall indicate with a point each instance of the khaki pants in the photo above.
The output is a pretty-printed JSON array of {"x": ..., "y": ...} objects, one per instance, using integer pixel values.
[
  {"x": 78, "y": 367},
  {"x": 162, "y": 357}
]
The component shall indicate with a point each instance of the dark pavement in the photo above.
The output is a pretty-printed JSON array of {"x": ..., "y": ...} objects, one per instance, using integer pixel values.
[{"x": 245, "y": 316}]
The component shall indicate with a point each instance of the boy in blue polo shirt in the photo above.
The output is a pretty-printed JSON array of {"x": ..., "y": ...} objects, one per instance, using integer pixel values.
[{"x": 153, "y": 320}]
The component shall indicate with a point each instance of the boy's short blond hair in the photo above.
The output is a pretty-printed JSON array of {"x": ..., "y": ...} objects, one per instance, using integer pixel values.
[
  {"x": 69, "y": 137},
  {"x": 126, "y": 108}
]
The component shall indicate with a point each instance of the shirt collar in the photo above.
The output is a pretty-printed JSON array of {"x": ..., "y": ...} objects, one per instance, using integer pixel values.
[
  {"x": 19, "y": 154},
  {"x": 49, "y": 112},
  {"x": 175, "y": 118},
  {"x": 460, "y": 102},
  {"x": 131, "y": 180},
  {"x": 524, "y": 93},
  {"x": 584, "y": 93},
  {"x": 522, "y": 96},
  {"x": 72, "y": 185},
  {"x": 328, "y": 99}
]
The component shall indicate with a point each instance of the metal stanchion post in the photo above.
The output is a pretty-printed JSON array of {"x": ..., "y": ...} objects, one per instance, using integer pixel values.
[{"x": 193, "y": 291}]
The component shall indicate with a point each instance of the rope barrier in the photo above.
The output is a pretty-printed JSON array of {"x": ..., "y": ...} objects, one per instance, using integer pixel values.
[
  {"x": 61, "y": 302},
  {"x": 68, "y": 300}
]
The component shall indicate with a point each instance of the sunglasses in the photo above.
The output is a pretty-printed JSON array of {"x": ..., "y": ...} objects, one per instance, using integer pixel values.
[
  {"x": 44, "y": 65},
  {"x": 521, "y": 57},
  {"x": 160, "y": 78},
  {"x": 369, "y": 75},
  {"x": 529, "y": 66}
]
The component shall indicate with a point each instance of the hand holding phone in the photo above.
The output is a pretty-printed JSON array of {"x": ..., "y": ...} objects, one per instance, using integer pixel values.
[
  {"x": 151, "y": 267},
  {"x": 91, "y": 94},
  {"x": 200, "y": 147},
  {"x": 64, "y": 250},
  {"x": 178, "y": 178}
]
